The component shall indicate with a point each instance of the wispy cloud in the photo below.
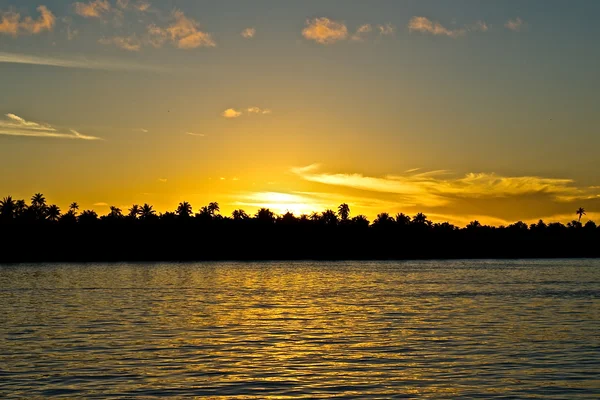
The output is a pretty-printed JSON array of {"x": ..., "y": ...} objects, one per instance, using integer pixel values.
[
  {"x": 425, "y": 25},
  {"x": 92, "y": 9},
  {"x": 231, "y": 113},
  {"x": 184, "y": 33},
  {"x": 80, "y": 62},
  {"x": 386, "y": 29},
  {"x": 248, "y": 33},
  {"x": 434, "y": 188},
  {"x": 258, "y": 110},
  {"x": 100, "y": 204},
  {"x": 361, "y": 32},
  {"x": 515, "y": 24},
  {"x": 129, "y": 43},
  {"x": 324, "y": 30},
  {"x": 139, "y": 5},
  {"x": 479, "y": 26},
  {"x": 12, "y": 24},
  {"x": 195, "y": 134},
  {"x": 162, "y": 180},
  {"x": 18, "y": 126}
]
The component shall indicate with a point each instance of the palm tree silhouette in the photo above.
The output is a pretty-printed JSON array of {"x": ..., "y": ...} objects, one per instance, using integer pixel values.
[
  {"x": 581, "y": 212},
  {"x": 147, "y": 212},
  {"x": 115, "y": 212},
  {"x": 329, "y": 217},
  {"x": 184, "y": 209},
  {"x": 7, "y": 207},
  {"x": 420, "y": 219},
  {"x": 74, "y": 207},
  {"x": 239, "y": 215},
  {"x": 344, "y": 211},
  {"x": 38, "y": 206},
  {"x": 38, "y": 200},
  {"x": 265, "y": 215},
  {"x": 134, "y": 211},
  {"x": 20, "y": 208},
  {"x": 213, "y": 208},
  {"x": 53, "y": 213},
  {"x": 402, "y": 219}
]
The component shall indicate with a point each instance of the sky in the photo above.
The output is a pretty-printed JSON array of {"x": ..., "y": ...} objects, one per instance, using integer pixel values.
[{"x": 462, "y": 110}]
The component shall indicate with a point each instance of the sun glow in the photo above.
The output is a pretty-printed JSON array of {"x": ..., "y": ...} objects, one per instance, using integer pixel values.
[{"x": 281, "y": 203}]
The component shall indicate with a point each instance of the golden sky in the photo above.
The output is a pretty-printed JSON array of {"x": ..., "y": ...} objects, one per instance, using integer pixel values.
[{"x": 462, "y": 111}]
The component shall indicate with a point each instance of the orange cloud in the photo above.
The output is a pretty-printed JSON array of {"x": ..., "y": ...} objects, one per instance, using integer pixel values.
[
  {"x": 129, "y": 43},
  {"x": 515, "y": 25},
  {"x": 324, "y": 30},
  {"x": 93, "y": 9},
  {"x": 183, "y": 32},
  {"x": 248, "y": 33},
  {"x": 12, "y": 24},
  {"x": 425, "y": 25}
]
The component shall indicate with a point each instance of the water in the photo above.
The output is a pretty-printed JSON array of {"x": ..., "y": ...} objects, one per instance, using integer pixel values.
[{"x": 436, "y": 329}]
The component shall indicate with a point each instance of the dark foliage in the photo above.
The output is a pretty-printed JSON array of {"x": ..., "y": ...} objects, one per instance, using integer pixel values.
[{"x": 39, "y": 232}]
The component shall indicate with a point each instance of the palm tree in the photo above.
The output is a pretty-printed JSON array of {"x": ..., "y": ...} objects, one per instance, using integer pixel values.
[
  {"x": 38, "y": 200},
  {"x": 184, "y": 209},
  {"x": 53, "y": 213},
  {"x": 20, "y": 208},
  {"x": 344, "y": 211},
  {"x": 402, "y": 219},
  {"x": 147, "y": 212},
  {"x": 115, "y": 212},
  {"x": 420, "y": 219},
  {"x": 74, "y": 207},
  {"x": 213, "y": 208},
  {"x": 239, "y": 215},
  {"x": 265, "y": 215},
  {"x": 361, "y": 221},
  {"x": 383, "y": 219},
  {"x": 134, "y": 211},
  {"x": 88, "y": 216},
  {"x": 581, "y": 212},
  {"x": 329, "y": 217},
  {"x": 7, "y": 207}
]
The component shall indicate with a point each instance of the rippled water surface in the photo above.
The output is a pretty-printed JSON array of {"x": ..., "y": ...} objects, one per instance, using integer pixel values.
[{"x": 435, "y": 329}]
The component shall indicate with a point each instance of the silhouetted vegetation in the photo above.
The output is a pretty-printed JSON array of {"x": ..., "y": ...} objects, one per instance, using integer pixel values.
[{"x": 39, "y": 231}]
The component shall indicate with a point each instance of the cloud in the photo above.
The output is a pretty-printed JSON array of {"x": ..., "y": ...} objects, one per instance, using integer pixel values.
[
  {"x": 12, "y": 24},
  {"x": 324, "y": 30},
  {"x": 231, "y": 113},
  {"x": 93, "y": 9},
  {"x": 479, "y": 26},
  {"x": 195, "y": 134},
  {"x": 387, "y": 29},
  {"x": 81, "y": 62},
  {"x": 143, "y": 130},
  {"x": 425, "y": 25},
  {"x": 101, "y": 204},
  {"x": 18, "y": 126},
  {"x": 258, "y": 110},
  {"x": 248, "y": 33},
  {"x": 183, "y": 33},
  {"x": 140, "y": 5},
  {"x": 434, "y": 188},
  {"x": 129, "y": 43},
  {"x": 162, "y": 180},
  {"x": 515, "y": 24},
  {"x": 361, "y": 32}
]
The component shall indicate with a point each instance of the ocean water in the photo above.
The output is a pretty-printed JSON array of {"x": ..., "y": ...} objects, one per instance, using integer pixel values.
[{"x": 429, "y": 329}]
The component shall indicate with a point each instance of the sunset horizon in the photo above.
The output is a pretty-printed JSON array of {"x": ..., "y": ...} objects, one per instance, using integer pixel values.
[{"x": 404, "y": 108}]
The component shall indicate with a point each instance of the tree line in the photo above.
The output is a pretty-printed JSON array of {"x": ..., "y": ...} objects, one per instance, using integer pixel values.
[{"x": 140, "y": 232}]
